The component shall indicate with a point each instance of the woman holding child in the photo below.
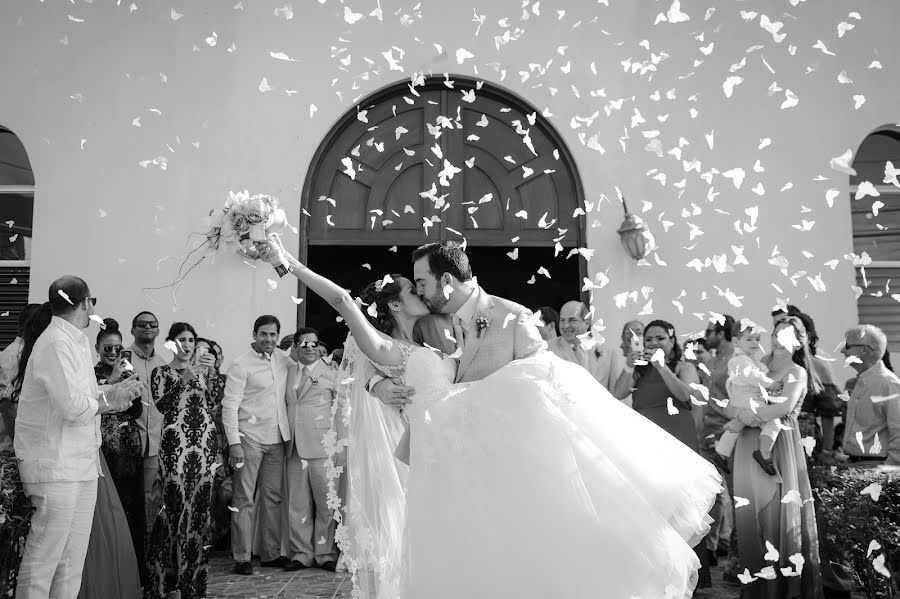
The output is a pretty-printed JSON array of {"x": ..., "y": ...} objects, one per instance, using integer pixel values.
[{"x": 777, "y": 541}]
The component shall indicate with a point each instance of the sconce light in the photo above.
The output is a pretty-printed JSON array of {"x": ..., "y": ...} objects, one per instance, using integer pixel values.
[{"x": 633, "y": 233}]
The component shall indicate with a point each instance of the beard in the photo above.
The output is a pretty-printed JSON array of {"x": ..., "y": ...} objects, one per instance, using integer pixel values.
[{"x": 435, "y": 303}]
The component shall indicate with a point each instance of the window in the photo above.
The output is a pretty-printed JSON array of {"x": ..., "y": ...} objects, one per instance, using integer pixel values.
[
  {"x": 876, "y": 231},
  {"x": 16, "y": 217}
]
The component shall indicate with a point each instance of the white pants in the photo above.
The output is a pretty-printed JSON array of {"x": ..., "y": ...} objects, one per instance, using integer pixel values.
[{"x": 58, "y": 540}]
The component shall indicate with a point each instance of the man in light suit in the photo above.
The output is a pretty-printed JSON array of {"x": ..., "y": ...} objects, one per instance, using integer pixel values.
[
  {"x": 310, "y": 395},
  {"x": 598, "y": 360},
  {"x": 488, "y": 331}
]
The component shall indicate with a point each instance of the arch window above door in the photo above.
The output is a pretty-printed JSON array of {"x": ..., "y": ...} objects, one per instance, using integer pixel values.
[{"x": 473, "y": 161}]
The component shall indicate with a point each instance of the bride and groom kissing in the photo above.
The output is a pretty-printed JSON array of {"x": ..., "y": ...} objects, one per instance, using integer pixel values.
[{"x": 511, "y": 451}]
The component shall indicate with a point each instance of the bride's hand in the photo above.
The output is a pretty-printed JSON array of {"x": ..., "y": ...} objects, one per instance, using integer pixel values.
[{"x": 271, "y": 251}]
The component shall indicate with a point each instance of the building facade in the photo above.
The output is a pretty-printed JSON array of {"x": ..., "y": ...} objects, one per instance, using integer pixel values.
[{"x": 515, "y": 126}]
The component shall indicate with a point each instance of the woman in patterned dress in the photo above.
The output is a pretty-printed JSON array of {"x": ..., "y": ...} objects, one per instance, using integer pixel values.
[
  {"x": 122, "y": 440},
  {"x": 184, "y": 392}
]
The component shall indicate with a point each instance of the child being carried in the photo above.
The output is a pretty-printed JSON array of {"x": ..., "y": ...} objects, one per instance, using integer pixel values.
[{"x": 746, "y": 381}]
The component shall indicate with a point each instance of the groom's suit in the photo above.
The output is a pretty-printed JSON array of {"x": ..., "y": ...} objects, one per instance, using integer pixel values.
[{"x": 506, "y": 334}]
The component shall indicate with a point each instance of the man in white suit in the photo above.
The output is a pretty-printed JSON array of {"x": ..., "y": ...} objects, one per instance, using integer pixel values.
[
  {"x": 489, "y": 332},
  {"x": 310, "y": 395},
  {"x": 598, "y": 360}
]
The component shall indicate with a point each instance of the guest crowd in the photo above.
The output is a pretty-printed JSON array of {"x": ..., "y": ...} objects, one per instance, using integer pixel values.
[{"x": 139, "y": 464}]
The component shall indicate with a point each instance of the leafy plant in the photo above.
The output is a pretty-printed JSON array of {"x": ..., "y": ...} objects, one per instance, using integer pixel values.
[
  {"x": 858, "y": 515},
  {"x": 15, "y": 520}
]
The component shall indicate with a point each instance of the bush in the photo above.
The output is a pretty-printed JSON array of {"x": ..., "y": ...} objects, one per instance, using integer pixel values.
[
  {"x": 15, "y": 520},
  {"x": 858, "y": 531}
]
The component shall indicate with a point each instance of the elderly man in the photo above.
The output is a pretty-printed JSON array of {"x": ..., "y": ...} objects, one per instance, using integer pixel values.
[
  {"x": 573, "y": 324},
  {"x": 872, "y": 429},
  {"x": 57, "y": 442},
  {"x": 311, "y": 389}
]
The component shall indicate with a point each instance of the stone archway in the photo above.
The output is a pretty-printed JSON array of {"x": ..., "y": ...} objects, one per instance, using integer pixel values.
[{"x": 412, "y": 165}]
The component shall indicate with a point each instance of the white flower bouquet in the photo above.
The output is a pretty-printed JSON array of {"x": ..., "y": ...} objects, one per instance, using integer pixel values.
[{"x": 244, "y": 220}]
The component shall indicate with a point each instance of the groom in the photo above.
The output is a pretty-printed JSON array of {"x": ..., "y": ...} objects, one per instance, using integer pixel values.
[{"x": 489, "y": 331}]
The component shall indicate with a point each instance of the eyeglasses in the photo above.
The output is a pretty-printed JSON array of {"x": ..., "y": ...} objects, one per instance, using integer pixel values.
[
  {"x": 308, "y": 344},
  {"x": 144, "y": 324},
  {"x": 93, "y": 300},
  {"x": 852, "y": 345},
  {"x": 108, "y": 349}
]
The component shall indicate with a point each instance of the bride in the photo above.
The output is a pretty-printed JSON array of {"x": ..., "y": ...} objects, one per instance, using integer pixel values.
[{"x": 531, "y": 483}]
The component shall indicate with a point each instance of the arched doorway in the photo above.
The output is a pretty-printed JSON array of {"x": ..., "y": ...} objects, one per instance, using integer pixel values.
[
  {"x": 449, "y": 158},
  {"x": 875, "y": 214},
  {"x": 16, "y": 217}
]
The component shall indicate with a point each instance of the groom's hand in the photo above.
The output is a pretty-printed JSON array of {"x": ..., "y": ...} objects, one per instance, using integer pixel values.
[{"x": 392, "y": 393}]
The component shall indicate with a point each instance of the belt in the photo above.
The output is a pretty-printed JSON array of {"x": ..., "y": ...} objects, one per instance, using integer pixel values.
[{"x": 865, "y": 458}]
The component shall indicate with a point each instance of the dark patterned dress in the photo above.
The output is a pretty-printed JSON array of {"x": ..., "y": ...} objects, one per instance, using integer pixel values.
[
  {"x": 178, "y": 554},
  {"x": 125, "y": 458}
]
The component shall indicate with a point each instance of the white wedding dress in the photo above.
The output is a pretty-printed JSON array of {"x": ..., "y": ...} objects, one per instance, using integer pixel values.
[{"x": 535, "y": 482}]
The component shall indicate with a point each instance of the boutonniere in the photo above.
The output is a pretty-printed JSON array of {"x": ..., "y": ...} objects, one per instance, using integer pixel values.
[
  {"x": 482, "y": 323},
  {"x": 597, "y": 351}
]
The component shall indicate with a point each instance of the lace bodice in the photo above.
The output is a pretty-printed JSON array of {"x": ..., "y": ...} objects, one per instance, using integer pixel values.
[{"x": 428, "y": 372}]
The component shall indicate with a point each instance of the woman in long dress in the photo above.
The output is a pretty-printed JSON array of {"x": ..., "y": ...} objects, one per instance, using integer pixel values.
[
  {"x": 110, "y": 566},
  {"x": 121, "y": 445},
  {"x": 778, "y": 543},
  {"x": 533, "y": 482},
  {"x": 185, "y": 394}
]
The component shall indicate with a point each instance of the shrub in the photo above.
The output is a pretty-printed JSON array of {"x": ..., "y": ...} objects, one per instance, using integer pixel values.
[
  {"x": 858, "y": 531},
  {"x": 15, "y": 520}
]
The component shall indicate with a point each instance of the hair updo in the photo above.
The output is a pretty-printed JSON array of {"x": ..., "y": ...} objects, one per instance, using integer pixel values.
[
  {"x": 110, "y": 328},
  {"x": 380, "y": 296}
]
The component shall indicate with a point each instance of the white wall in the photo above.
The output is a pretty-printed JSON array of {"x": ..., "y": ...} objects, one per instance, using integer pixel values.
[{"x": 115, "y": 60}]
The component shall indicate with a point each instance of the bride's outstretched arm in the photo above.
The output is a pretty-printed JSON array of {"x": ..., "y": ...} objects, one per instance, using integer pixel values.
[{"x": 377, "y": 346}]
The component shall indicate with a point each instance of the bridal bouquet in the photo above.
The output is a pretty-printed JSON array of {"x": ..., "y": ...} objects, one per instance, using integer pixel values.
[{"x": 244, "y": 220}]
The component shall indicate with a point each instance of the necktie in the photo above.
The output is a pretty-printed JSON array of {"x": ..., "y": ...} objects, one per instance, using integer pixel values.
[
  {"x": 458, "y": 331},
  {"x": 579, "y": 354},
  {"x": 304, "y": 378}
]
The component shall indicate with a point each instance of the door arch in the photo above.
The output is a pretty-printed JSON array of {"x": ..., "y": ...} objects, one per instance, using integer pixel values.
[{"x": 474, "y": 161}]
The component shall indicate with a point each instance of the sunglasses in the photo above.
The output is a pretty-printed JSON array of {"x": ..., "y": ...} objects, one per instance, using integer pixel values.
[
  {"x": 108, "y": 349},
  {"x": 308, "y": 344},
  {"x": 852, "y": 345},
  {"x": 143, "y": 324},
  {"x": 93, "y": 300}
]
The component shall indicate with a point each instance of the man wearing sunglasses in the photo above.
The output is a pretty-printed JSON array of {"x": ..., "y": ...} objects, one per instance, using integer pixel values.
[
  {"x": 872, "y": 429},
  {"x": 144, "y": 358},
  {"x": 310, "y": 395},
  {"x": 57, "y": 439}
]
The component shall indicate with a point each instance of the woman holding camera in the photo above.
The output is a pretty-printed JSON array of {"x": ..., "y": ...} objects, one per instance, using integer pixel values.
[
  {"x": 121, "y": 446},
  {"x": 185, "y": 392}
]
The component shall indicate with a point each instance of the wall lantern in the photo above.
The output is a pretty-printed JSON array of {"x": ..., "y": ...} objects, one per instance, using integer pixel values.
[{"x": 634, "y": 234}]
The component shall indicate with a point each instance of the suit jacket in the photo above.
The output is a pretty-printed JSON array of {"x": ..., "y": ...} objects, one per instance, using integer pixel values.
[
  {"x": 603, "y": 367},
  {"x": 309, "y": 408},
  {"x": 509, "y": 335}
]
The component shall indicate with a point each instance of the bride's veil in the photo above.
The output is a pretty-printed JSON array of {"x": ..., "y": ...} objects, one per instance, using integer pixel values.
[{"x": 368, "y": 501}]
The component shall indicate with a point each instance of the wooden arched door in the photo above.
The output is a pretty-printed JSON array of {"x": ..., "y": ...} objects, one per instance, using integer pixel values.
[{"x": 460, "y": 160}]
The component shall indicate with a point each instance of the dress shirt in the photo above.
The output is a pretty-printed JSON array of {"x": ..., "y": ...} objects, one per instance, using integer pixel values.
[
  {"x": 254, "y": 401},
  {"x": 598, "y": 360},
  {"x": 874, "y": 411},
  {"x": 151, "y": 419},
  {"x": 466, "y": 312},
  {"x": 57, "y": 426}
]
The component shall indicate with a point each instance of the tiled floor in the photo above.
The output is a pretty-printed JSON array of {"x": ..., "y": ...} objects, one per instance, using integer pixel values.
[{"x": 271, "y": 583}]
